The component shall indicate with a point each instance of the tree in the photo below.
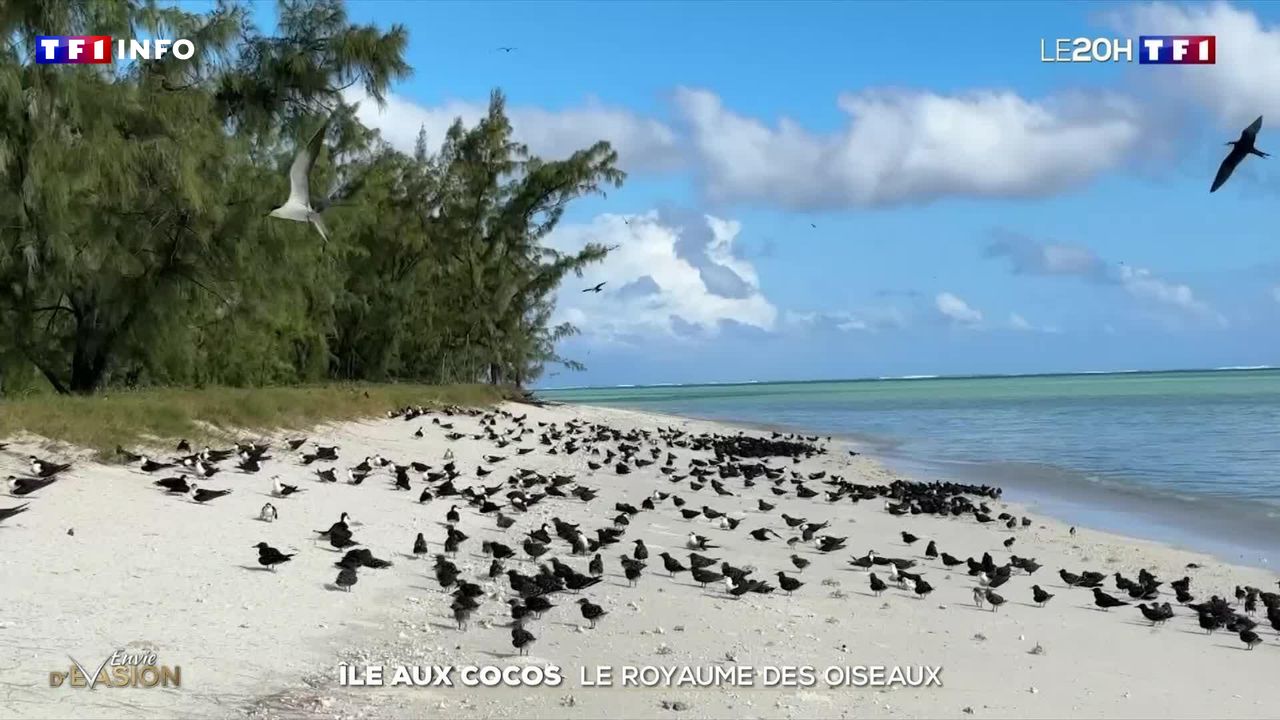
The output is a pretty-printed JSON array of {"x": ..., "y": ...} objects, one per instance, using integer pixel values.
[{"x": 134, "y": 243}]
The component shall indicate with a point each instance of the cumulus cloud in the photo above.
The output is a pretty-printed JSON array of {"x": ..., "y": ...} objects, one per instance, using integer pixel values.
[
  {"x": 1142, "y": 284},
  {"x": 1031, "y": 257},
  {"x": 897, "y": 147},
  {"x": 866, "y": 319},
  {"x": 664, "y": 277},
  {"x": 909, "y": 146},
  {"x": 643, "y": 144},
  {"x": 956, "y": 310},
  {"x": 1240, "y": 85}
]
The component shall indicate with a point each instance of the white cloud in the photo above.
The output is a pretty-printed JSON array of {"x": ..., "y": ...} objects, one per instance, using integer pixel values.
[
  {"x": 957, "y": 310},
  {"x": 1142, "y": 284},
  {"x": 642, "y": 143},
  {"x": 906, "y": 146},
  {"x": 1275, "y": 293},
  {"x": 1032, "y": 257},
  {"x": 652, "y": 287},
  {"x": 867, "y": 319},
  {"x": 1240, "y": 85}
]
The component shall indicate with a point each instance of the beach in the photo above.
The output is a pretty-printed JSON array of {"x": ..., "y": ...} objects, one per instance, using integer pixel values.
[{"x": 103, "y": 560}]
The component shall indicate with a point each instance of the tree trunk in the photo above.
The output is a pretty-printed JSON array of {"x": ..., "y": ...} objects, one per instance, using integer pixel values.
[{"x": 88, "y": 362}]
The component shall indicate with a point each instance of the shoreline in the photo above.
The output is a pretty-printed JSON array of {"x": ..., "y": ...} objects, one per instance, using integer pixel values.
[
  {"x": 1228, "y": 534},
  {"x": 267, "y": 645}
]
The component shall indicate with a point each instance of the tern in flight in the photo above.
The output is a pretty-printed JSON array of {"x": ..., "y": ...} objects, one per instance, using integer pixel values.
[
  {"x": 298, "y": 207},
  {"x": 1239, "y": 149}
]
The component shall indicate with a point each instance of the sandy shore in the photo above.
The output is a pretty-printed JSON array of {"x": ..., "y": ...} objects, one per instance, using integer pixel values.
[{"x": 106, "y": 561}]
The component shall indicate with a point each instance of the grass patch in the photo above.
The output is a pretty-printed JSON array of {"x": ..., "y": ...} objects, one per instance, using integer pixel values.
[{"x": 160, "y": 416}]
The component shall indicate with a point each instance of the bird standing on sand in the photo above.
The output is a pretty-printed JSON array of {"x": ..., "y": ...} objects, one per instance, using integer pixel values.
[
  {"x": 789, "y": 584},
  {"x": 269, "y": 557},
  {"x": 521, "y": 639},
  {"x": 1040, "y": 596},
  {"x": 1239, "y": 150},
  {"x": 268, "y": 513},
  {"x": 1105, "y": 601},
  {"x": 419, "y": 545},
  {"x": 298, "y": 206},
  {"x": 591, "y": 612},
  {"x": 672, "y": 565},
  {"x": 1249, "y": 638},
  {"x": 877, "y": 585},
  {"x": 346, "y": 578}
]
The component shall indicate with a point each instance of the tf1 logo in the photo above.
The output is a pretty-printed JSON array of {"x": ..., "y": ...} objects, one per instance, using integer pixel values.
[{"x": 1151, "y": 49}]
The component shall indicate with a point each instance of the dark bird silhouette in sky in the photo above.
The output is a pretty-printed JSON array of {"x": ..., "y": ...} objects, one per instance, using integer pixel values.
[
  {"x": 595, "y": 289},
  {"x": 506, "y": 49},
  {"x": 1239, "y": 149}
]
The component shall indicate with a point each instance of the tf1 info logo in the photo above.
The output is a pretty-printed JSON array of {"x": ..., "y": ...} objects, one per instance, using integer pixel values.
[
  {"x": 103, "y": 50},
  {"x": 1151, "y": 49}
]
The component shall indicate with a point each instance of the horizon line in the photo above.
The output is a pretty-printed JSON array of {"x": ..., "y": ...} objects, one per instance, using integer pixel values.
[{"x": 909, "y": 378}]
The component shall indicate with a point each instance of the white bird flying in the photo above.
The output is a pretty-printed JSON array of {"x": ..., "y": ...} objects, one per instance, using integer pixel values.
[{"x": 298, "y": 207}]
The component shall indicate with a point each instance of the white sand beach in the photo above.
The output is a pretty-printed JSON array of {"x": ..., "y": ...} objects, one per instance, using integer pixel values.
[{"x": 103, "y": 560}]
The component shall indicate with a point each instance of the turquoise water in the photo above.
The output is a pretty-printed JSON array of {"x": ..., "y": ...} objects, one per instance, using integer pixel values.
[{"x": 1185, "y": 457}]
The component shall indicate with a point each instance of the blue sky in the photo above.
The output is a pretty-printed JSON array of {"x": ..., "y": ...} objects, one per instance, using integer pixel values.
[{"x": 976, "y": 210}]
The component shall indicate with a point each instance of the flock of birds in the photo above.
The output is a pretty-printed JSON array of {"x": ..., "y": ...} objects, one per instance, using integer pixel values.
[{"x": 710, "y": 467}]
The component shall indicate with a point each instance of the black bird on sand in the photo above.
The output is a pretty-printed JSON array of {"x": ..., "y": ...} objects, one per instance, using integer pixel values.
[
  {"x": 1156, "y": 613},
  {"x": 44, "y": 468},
  {"x": 1249, "y": 638},
  {"x": 1040, "y": 596},
  {"x": 269, "y": 557},
  {"x": 672, "y": 565},
  {"x": 590, "y": 611},
  {"x": 632, "y": 569},
  {"x": 931, "y": 551},
  {"x": 641, "y": 552},
  {"x": 763, "y": 534},
  {"x": 204, "y": 496},
  {"x": 877, "y": 585},
  {"x": 6, "y": 513},
  {"x": 799, "y": 562},
  {"x": 923, "y": 588},
  {"x": 19, "y": 486},
  {"x": 596, "y": 566},
  {"x": 1105, "y": 601},
  {"x": 702, "y": 576},
  {"x": 452, "y": 516},
  {"x": 908, "y": 538},
  {"x": 521, "y": 639},
  {"x": 149, "y": 465},
  {"x": 789, "y": 584},
  {"x": 419, "y": 545},
  {"x": 994, "y": 599},
  {"x": 346, "y": 578},
  {"x": 174, "y": 485},
  {"x": 1239, "y": 150}
]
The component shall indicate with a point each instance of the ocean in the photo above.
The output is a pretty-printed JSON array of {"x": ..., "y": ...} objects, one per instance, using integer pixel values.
[{"x": 1187, "y": 458}]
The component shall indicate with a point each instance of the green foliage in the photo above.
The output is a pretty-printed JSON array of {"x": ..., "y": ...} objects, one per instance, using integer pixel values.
[{"x": 135, "y": 247}]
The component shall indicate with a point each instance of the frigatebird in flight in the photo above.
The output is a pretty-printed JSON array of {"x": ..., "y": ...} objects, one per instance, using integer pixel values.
[
  {"x": 595, "y": 289},
  {"x": 1239, "y": 149}
]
